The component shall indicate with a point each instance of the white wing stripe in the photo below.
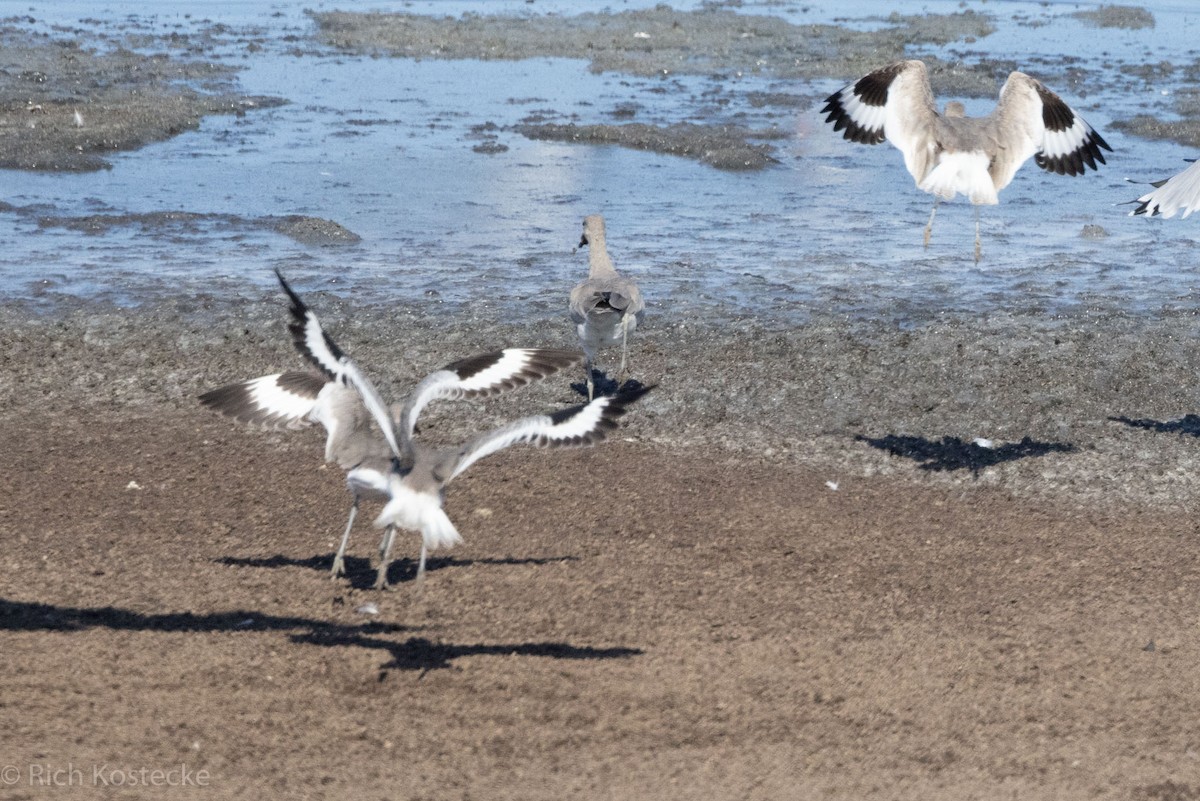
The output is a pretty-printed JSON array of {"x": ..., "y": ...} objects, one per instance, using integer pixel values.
[
  {"x": 520, "y": 431},
  {"x": 512, "y": 363},
  {"x": 267, "y": 395},
  {"x": 314, "y": 340},
  {"x": 441, "y": 384},
  {"x": 1063, "y": 143},
  {"x": 514, "y": 367},
  {"x": 864, "y": 115},
  {"x": 580, "y": 424},
  {"x": 585, "y": 423}
]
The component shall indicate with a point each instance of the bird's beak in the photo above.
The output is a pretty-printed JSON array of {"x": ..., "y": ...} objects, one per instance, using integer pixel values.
[{"x": 582, "y": 242}]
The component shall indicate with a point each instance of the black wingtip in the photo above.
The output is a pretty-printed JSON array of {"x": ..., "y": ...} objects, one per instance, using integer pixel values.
[
  {"x": 629, "y": 394},
  {"x": 301, "y": 315},
  {"x": 239, "y": 402},
  {"x": 234, "y": 400},
  {"x": 298, "y": 308},
  {"x": 1143, "y": 208},
  {"x": 615, "y": 404}
]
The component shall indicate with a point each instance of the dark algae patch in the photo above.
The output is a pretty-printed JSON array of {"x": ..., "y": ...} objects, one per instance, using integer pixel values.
[
  {"x": 312, "y": 231},
  {"x": 656, "y": 41},
  {"x": 724, "y": 147}
]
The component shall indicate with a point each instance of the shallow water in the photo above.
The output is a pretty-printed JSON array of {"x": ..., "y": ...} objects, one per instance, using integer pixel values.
[{"x": 386, "y": 147}]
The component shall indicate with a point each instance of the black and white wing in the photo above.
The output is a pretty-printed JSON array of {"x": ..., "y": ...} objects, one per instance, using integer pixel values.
[
  {"x": 575, "y": 426},
  {"x": 1178, "y": 193},
  {"x": 277, "y": 400},
  {"x": 893, "y": 103},
  {"x": 309, "y": 338},
  {"x": 1032, "y": 120},
  {"x": 485, "y": 374},
  {"x": 316, "y": 346},
  {"x": 292, "y": 400}
]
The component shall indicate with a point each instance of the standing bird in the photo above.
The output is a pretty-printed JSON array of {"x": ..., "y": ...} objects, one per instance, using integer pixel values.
[
  {"x": 297, "y": 399},
  {"x": 951, "y": 152},
  {"x": 1180, "y": 192},
  {"x": 606, "y": 307}
]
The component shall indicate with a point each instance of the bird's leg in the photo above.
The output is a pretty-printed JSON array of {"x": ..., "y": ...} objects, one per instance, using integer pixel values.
[
  {"x": 385, "y": 557},
  {"x": 621, "y": 376},
  {"x": 929, "y": 225},
  {"x": 339, "y": 565},
  {"x": 591, "y": 384},
  {"x": 978, "y": 243},
  {"x": 421, "y": 564},
  {"x": 385, "y": 542}
]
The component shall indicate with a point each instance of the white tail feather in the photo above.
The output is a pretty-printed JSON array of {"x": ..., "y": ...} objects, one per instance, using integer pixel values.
[
  {"x": 962, "y": 172},
  {"x": 418, "y": 511}
]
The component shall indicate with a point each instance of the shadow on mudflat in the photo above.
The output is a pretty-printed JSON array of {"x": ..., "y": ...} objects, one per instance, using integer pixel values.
[
  {"x": 602, "y": 385},
  {"x": 415, "y": 653},
  {"x": 361, "y": 574},
  {"x": 1188, "y": 424},
  {"x": 953, "y": 453}
]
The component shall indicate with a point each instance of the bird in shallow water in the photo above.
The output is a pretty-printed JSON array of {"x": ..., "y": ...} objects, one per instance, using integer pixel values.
[
  {"x": 606, "y": 307},
  {"x": 951, "y": 152}
]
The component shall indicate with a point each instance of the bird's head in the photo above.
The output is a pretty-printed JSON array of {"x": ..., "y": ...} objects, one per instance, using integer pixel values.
[{"x": 593, "y": 229}]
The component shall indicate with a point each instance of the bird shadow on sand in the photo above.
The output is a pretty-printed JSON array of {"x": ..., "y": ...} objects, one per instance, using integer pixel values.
[
  {"x": 361, "y": 573},
  {"x": 418, "y": 653},
  {"x": 415, "y": 653},
  {"x": 1188, "y": 424},
  {"x": 953, "y": 453},
  {"x": 27, "y": 616},
  {"x": 603, "y": 385}
]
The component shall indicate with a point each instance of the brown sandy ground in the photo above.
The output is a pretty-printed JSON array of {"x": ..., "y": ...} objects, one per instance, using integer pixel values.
[{"x": 648, "y": 619}]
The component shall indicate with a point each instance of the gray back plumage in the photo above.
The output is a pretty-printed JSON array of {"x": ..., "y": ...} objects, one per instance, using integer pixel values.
[{"x": 605, "y": 299}]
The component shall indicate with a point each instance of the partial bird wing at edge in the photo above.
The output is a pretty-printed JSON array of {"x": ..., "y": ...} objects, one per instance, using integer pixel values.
[{"x": 1180, "y": 192}]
